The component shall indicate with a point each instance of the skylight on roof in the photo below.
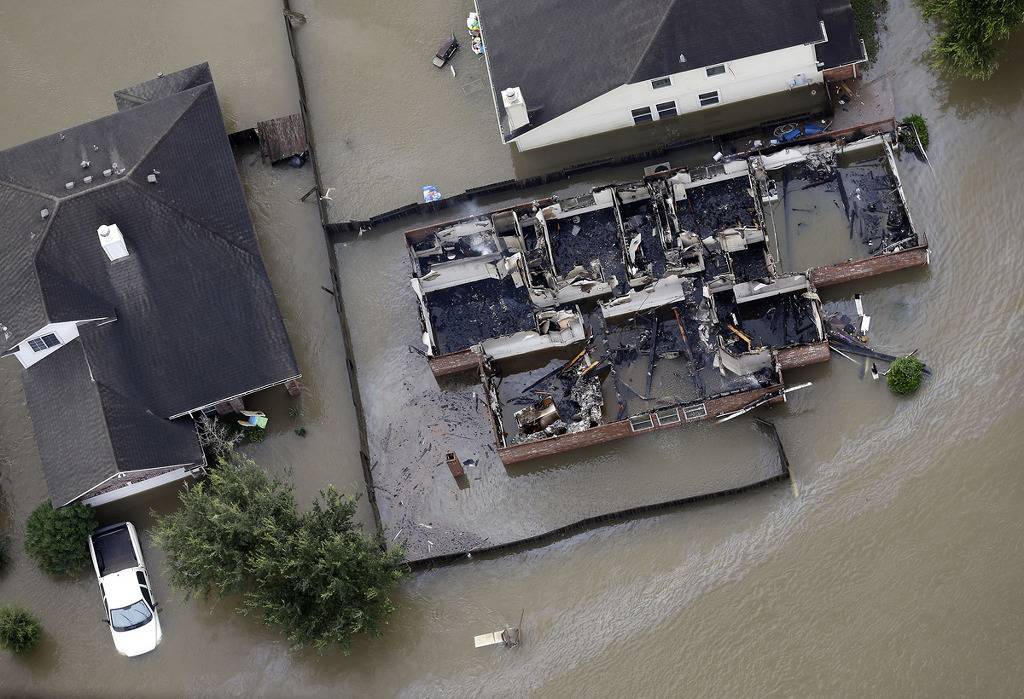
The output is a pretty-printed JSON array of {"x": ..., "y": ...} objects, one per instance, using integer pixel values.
[{"x": 41, "y": 344}]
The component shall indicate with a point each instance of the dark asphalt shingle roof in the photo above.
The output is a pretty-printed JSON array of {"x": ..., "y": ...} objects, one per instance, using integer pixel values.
[
  {"x": 163, "y": 86},
  {"x": 87, "y": 432},
  {"x": 564, "y": 53},
  {"x": 197, "y": 321},
  {"x": 843, "y": 45}
]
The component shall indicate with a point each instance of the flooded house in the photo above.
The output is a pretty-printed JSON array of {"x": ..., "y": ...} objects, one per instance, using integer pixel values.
[
  {"x": 133, "y": 292},
  {"x": 654, "y": 303},
  {"x": 562, "y": 71}
]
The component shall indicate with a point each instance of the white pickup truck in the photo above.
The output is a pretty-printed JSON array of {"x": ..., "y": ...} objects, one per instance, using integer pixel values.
[{"x": 124, "y": 585}]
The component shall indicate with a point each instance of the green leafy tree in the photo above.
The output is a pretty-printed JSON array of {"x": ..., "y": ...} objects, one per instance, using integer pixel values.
[
  {"x": 969, "y": 34},
  {"x": 324, "y": 582},
  {"x": 905, "y": 375},
  {"x": 314, "y": 575},
  {"x": 58, "y": 539},
  {"x": 19, "y": 630},
  {"x": 221, "y": 523}
]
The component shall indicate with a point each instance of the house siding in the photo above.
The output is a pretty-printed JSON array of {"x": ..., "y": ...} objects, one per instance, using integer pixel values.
[{"x": 745, "y": 78}]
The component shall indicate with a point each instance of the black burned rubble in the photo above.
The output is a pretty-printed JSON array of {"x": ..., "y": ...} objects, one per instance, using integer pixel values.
[
  {"x": 654, "y": 303},
  {"x": 645, "y": 304}
]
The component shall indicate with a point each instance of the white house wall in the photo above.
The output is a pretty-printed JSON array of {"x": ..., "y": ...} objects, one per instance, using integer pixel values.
[{"x": 745, "y": 78}]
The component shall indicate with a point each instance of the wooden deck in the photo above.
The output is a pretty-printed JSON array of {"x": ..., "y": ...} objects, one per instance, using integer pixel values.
[
  {"x": 623, "y": 428},
  {"x": 282, "y": 137}
]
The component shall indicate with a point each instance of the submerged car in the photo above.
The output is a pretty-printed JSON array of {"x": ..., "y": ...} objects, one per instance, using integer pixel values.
[{"x": 125, "y": 588}]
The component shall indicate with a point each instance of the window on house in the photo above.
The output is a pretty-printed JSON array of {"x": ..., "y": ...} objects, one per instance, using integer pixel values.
[
  {"x": 45, "y": 342},
  {"x": 715, "y": 70},
  {"x": 661, "y": 82},
  {"x": 708, "y": 98},
  {"x": 666, "y": 110},
  {"x": 642, "y": 114}
]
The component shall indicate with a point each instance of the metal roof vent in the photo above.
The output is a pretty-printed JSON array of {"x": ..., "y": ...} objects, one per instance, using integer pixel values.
[
  {"x": 43, "y": 213},
  {"x": 69, "y": 185},
  {"x": 85, "y": 164},
  {"x": 112, "y": 242},
  {"x": 151, "y": 178}
]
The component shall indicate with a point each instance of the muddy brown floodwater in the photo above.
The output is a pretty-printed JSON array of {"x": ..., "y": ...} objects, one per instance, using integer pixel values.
[{"x": 892, "y": 567}]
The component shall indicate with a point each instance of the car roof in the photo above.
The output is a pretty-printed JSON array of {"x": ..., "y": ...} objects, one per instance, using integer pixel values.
[{"x": 122, "y": 588}]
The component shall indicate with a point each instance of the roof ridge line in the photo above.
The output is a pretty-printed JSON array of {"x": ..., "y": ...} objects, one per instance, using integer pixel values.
[
  {"x": 170, "y": 127},
  {"x": 122, "y": 396},
  {"x": 68, "y": 280},
  {"x": 26, "y": 190},
  {"x": 199, "y": 224},
  {"x": 650, "y": 42},
  {"x": 96, "y": 384}
]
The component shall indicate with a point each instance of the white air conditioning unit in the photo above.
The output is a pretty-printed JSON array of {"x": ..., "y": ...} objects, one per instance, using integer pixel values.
[
  {"x": 112, "y": 242},
  {"x": 515, "y": 108}
]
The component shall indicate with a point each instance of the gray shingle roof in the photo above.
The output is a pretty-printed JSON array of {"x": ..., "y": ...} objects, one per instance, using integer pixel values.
[
  {"x": 163, "y": 86},
  {"x": 87, "y": 432},
  {"x": 564, "y": 53},
  {"x": 843, "y": 45},
  {"x": 197, "y": 319}
]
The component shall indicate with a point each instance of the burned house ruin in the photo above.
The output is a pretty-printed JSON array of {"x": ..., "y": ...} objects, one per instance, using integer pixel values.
[{"x": 651, "y": 304}]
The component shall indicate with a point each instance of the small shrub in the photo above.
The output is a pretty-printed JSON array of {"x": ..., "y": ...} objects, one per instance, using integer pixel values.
[
  {"x": 912, "y": 122},
  {"x": 255, "y": 435},
  {"x": 5, "y": 554},
  {"x": 57, "y": 540},
  {"x": 905, "y": 375},
  {"x": 301, "y": 431},
  {"x": 19, "y": 630},
  {"x": 294, "y": 412}
]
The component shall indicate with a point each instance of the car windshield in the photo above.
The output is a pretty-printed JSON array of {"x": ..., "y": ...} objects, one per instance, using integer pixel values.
[{"x": 131, "y": 617}]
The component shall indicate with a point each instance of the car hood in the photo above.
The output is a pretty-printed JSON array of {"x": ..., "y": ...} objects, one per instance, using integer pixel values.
[{"x": 140, "y": 640}]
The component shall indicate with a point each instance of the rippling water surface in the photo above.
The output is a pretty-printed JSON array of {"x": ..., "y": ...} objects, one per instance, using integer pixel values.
[{"x": 892, "y": 567}]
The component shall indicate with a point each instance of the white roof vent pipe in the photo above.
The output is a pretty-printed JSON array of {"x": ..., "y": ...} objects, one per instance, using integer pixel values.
[
  {"x": 515, "y": 108},
  {"x": 112, "y": 242}
]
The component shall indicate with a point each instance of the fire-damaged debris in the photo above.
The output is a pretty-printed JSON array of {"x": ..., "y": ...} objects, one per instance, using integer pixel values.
[
  {"x": 567, "y": 399},
  {"x": 847, "y": 329},
  {"x": 857, "y": 184},
  {"x": 641, "y": 304},
  {"x": 537, "y": 416}
]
